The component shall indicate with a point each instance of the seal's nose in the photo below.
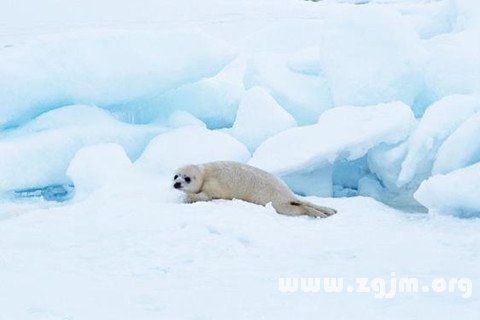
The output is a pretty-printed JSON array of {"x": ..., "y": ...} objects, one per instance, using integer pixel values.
[{"x": 177, "y": 185}]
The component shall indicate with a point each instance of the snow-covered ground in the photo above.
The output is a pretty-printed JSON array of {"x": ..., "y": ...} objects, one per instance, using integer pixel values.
[
  {"x": 137, "y": 254},
  {"x": 348, "y": 101}
]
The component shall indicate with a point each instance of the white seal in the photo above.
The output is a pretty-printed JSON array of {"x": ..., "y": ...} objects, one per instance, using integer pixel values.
[{"x": 232, "y": 180}]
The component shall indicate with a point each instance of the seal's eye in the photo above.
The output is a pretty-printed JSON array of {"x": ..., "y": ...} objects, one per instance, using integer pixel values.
[
  {"x": 187, "y": 179},
  {"x": 176, "y": 176}
]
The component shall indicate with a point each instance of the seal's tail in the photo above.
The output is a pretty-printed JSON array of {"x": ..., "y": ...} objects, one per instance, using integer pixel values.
[{"x": 312, "y": 209}]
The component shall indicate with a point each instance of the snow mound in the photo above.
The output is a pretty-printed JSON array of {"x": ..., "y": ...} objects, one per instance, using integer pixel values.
[
  {"x": 461, "y": 149},
  {"x": 438, "y": 122},
  {"x": 190, "y": 145},
  {"x": 108, "y": 69},
  {"x": 39, "y": 153},
  {"x": 97, "y": 166},
  {"x": 455, "y": 193},
  {"x": 259, "y": 117},
  {"x": 343, "y": 132}
]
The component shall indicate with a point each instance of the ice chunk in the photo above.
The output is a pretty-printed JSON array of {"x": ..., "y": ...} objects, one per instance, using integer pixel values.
[
  {"x": 341, "y": 133},
  {"x": 303, "y": 96},
  {"x": 456, "y": 193},
  {"x": 453, "y": 65},
  {"x": 213, "y": 100},
  {"x": 461, "y": 149},
  {"x": 190, "y": 145},
  {"x": 369, "y": 55},
  {"x": 97, "y": 166},
  {"x": 385, "y": 162},
  {"x": 438, "y": 122},
  {"x": 259, "y": 117},
  {"x": 111, "y": 69},
  {"x": 38, "y": 154}
]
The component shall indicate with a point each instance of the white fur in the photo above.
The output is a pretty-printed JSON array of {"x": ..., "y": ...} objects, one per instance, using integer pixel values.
[{"x": 233, "y": 180}]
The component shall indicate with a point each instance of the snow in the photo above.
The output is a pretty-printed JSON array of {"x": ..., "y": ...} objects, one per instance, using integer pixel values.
[
  {"x": 189, "y": 145},
  {"x": 345, "y": 100},
  {"x": 149, "y": 257},
  {"x": 455, "y": 193},
  {"x": 39, "y": 153},
  {"x": 269, "y": 118},
  {"x": 99, "y": 166}
]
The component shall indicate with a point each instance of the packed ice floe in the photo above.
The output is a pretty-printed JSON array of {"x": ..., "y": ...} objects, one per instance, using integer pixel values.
[
  {"x": 343, "y": 98},
  {"x": 368, "y": 106}
]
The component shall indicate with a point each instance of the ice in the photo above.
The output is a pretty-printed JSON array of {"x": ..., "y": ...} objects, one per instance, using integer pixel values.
[
  {"x": 438, "y": 122},
  {"x": 385, "y": 161},
  {"x": 304, "y": 96},
  {"x": 461, "y": 148},
  {"x": 182, "y": 118},
  {"x": 341, "y": 133},
  {"x": 116, "y": 242},
  {"x": 455, "y": 193},
  {"x": 39, "y": 153},
  {"x": 189, "y": 145},
  {"x": 135, "y": 255},
  {"x": 369, "y": 55},
  {"x": 305, "y": 61},
  {"x": 453, "y": 67},
  {"x": 429, "y": 18},
  {"x": 213, "y": 100},
  {"x": 111, "y": 69},
  {"x": 259, "y": 117},
  {"x": 99, "y": 166}
]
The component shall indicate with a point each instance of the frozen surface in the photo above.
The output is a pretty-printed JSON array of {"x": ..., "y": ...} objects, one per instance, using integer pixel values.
[
  {"x": 456, "y": 193},
  {"x": 144, "y": 256},
  {"x": 259, "y": 117},
  {"x": 190, "y": 145},
  {"x": 124, "y": 247}
]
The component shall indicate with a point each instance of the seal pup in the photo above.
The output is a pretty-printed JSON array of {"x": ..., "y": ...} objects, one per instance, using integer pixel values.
[{"x": 233, "y": 180}]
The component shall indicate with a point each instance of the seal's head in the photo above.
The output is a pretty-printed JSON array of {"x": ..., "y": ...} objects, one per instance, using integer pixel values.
[{"x": 189, "y": 179}]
